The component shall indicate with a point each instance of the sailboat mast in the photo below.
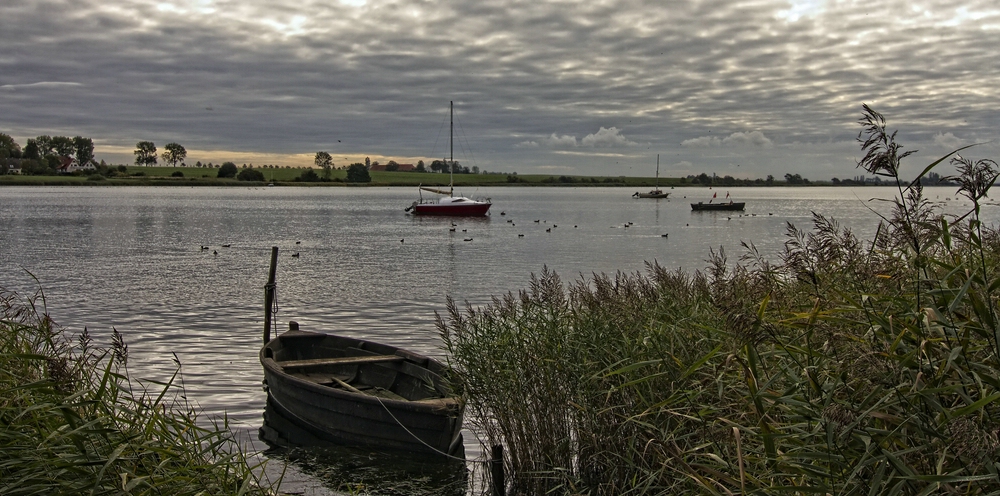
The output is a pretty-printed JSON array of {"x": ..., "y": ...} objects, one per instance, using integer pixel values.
[
  {"x": 657, "y": 171},
  {"x": 451, "y": 147}
]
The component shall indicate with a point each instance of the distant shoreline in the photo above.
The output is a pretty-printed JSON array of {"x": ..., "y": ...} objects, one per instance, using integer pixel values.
[{"x": 164, "y": 176}]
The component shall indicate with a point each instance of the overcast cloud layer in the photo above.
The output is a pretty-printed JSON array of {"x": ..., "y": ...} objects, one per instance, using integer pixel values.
[{"x": 745, "y": 88}]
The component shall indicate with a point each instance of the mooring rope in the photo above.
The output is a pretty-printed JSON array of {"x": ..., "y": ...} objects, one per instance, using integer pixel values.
[
  {"x": 448, "y": 455},
  {"x": 273, "y": 288}
]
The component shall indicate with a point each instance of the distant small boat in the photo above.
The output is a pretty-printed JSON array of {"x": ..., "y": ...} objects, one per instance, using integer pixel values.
[
  {"x": 726, "y": 206},
  {"x": 732, "y": 206},
  {"x": 656, "y": 192}
]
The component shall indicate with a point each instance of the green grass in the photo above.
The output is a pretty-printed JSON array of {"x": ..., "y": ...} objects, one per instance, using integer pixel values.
[
  {"x": 75, "y": 423},
  {"x": 846, "y": 367}
]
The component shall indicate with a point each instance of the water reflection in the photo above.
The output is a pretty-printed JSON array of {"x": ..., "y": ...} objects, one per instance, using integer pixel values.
[{"x": 354, "y": 470}]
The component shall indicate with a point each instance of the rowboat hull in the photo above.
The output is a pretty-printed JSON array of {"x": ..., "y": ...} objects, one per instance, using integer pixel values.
[
  {"x": 735, "y": 206},
  {"x": 395, "y": 401}
]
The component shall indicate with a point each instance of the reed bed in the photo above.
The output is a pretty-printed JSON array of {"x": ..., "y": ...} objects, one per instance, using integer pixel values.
[
  {"x": 75, "y": 423},
  {"x": 844, "y": 367}
]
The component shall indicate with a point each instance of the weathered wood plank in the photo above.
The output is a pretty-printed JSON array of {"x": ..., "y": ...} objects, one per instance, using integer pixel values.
[{"x": 319, "y": 362}]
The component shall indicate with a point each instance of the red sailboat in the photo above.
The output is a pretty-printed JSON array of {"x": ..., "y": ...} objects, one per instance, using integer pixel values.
[{"x": 449, "y": 204}]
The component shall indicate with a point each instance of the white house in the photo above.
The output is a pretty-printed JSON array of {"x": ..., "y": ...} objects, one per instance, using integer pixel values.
[{"x": 68, "y": 165}]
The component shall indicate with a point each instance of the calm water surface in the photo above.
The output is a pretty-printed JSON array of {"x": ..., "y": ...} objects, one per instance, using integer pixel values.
[{"x": 131, "y": 258}]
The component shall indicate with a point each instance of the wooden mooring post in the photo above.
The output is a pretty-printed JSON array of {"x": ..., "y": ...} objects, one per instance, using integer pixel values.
[
  {"x": 496, "y": 471},
  {"x": 269, "y": 294}
]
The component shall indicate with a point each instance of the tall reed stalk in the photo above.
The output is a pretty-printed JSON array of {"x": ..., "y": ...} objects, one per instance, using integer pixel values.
[
  {"x": 75, "y": 423},
  {"x": 844, "y": 367}
]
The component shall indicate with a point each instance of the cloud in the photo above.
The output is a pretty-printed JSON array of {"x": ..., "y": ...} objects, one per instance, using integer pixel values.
[
  {"x": 559, "y": 141},
  {"x": 606, "y": 138},
  {"x": 603, "y": 138},
  {"x": 374, "y": 77},
  {"x": 949, "y": 140},
  {"x": 41, "y": 84},
  {"x": 702, "y": 142},
  {"x": 755, "y": 139}
]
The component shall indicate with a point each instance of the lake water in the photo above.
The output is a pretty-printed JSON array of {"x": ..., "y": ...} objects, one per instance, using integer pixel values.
[{"x": 131, "y": 258}]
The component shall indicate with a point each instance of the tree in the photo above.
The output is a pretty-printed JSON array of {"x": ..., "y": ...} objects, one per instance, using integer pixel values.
[
  {"x": 793, "y": 178},
  {"x": 145, "y": 153},
  {"x": 392, "y": 166},
  {"x": 31, "y": 150},
  {"x": 62, "y": 146},
  {"x": 8, "y": 145},
  {"x": 228, "y": 169},
  {"x": 420, "y": 166},
  {"x": 250, "y": 174},
  {"x": 174, "y": 153},
  {"x": 36, "y": 167},
  {"x": 770, "y": 180},
  {"x": 324, "y": 160},
  {"x": 44, "y": 145},
  {"x": 368, "y": 163},
  {"x": 358, "y": 173},
  {"x": 84, "y": 150},
  {"x": 308, "y": 176}
]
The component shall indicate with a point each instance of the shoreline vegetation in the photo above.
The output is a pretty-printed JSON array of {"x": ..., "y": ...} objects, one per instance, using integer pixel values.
[
  {"x": 75, "y": 422},
  {"x": 846, "y": 367},
  {"x": 194, "y": 176}
]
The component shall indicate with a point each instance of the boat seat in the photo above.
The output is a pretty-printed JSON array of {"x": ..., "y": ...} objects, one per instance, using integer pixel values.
[{"x": 351, "y": 360}]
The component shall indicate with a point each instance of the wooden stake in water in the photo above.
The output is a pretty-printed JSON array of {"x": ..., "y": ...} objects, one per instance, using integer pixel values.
[
  {"x": 269, "y": 294},
  {"x": 496, "y": 471}
]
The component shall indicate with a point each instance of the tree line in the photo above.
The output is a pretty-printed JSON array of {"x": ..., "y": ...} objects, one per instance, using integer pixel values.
[
  {"x": 173, "y": 153},
  {"x": 44, "y": 154},
  {"x": 359, "y": 172}
]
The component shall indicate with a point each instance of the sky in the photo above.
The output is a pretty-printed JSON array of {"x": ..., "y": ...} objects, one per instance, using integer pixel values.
[{"x": 746, "y": 88}]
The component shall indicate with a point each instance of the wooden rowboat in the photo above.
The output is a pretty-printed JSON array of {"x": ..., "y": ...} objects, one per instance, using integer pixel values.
[
  {"x": 361, "y": 393},
  {"x": 354, "y": 392}
]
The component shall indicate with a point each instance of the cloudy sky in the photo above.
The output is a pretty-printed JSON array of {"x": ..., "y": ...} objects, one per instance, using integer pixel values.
[{"x": 739, "y": 87}]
